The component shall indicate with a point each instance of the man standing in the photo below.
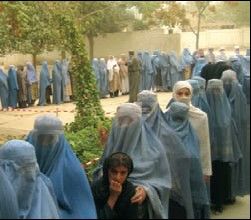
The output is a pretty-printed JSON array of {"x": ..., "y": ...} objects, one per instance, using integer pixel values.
[{"x": 134, "y": 68}]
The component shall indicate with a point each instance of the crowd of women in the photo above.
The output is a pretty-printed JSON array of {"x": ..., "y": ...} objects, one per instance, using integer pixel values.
[
  {"x": 178, "y": 163},
  {"x": 21, "y": 86},
  {"x": 160, "y": 70}
]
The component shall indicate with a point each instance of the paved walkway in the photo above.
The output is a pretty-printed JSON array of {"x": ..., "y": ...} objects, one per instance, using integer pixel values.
[{"x": 20, "y": 122}]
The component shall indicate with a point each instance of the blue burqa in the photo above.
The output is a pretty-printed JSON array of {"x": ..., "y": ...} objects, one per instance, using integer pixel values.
[
  {"x": 31, "y": 78},
  {"x": 200, "y": 63},
  {"x": 57, "y": 161},
  {"x": 148, "y": 72},
  {"x": 238, "y": 102},
  {"x": 174, "y": 69},
  {"x": 8, "y": 198},
  {"x": 131, "y": 135},
  {"x": 33, "y": 190},
  {"x": 177, "y": 118},
  {"x": 57, "y": 83},
  {"x": 103, "y": 78},
  {"x": 13, "y": 86},
  {"x": 44, "y": 81},
  {"x": 178, "y": 156},
  {"x": 4, "y": 89},
  {"x": 95, "y": 68},
  {"x": 225, "y": 146}
]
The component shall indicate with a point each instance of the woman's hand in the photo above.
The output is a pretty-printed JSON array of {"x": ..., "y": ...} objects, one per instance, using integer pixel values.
[
  {"x": 139, "y": 196},
  {"x": 115, "y": 190}
]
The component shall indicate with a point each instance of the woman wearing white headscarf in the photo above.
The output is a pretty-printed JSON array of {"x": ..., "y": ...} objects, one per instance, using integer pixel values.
[{"x": 182, "y": 92}]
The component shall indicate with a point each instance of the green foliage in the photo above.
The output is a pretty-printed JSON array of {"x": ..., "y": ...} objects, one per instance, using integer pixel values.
[
  {"x": 87, "y": 145},
  {"x": 231, "y": 12},
  {"x": 140, "y": 25},
  {"x": 88, "y": 107}
]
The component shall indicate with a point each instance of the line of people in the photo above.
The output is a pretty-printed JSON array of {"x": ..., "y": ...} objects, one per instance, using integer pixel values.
[
  {"x": 20, "y": 87},
  {"x": 176, "y": 163},
  {"x": 159, "y": 71}
]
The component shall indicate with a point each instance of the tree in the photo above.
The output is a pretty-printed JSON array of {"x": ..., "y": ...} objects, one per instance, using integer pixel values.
[
  {"x": 230, "y": 12},
  {"x": 27, "y": 28},
  {"x": 99, "y": 18},
  {"x": 172, "y": 14},
  {"x": 200, "y": 8}
]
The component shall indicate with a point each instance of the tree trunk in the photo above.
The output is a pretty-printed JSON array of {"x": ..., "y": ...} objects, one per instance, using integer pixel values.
[
  {"x": 34, "y": 60},
  {"x": 198, "y": 32},
  {"x": 91, "y": 45},
  {"x": 63, "y": 54}
]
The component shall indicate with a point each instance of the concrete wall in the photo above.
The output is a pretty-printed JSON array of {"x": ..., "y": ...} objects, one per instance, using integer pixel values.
[
  {"x": 217, "y": 38},
  {"x": 117, "y": 43}
]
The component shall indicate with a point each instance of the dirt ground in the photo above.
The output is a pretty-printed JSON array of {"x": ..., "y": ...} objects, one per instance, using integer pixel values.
[{"x": 18, "y": 123}]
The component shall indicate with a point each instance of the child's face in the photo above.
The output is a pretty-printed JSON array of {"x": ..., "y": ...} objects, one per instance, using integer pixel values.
[{"x": 118, "y": 174}]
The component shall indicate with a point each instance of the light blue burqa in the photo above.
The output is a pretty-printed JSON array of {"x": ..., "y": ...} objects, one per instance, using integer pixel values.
[
  {"x": 44, "y": 81},
  {"x": 203, "y": 103},
  {"x": 96, "y": 71},
  {"x": 225, "y": 146},
  {"x": 65, "y": 79},
  {"x": 178, "y": 156},
  {"x": 8, "y": 198},
  {"x": 31, "y": 78},
  {"x": 238, "y": 103},
  {"x": 174, "y": 69},
  {"x": 186, "y": 58},
  {"x": 57, "y": 81},
  {"x": 148, "y": 72},
  {"x": 4, "y": 89},
  {"x": 57, "y": 161},
  {"x": 200, "y": 63},
  {"x": 131, "y": 135},
  {"x": 13, "y": 86},
  {"x": 177, "y": 118},
  {"x": 103, "y": 78},
  {"x": 34, "y": 191},
  {"x": 164, "y": 70}
]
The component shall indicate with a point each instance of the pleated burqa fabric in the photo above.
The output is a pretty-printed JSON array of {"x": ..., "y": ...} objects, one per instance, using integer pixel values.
[
  {"x": 131, "y": 135},
  {"x": 34, "y": 191},
  {"x": 177, "y": 118},
  {"x": 178, "y": 156}
]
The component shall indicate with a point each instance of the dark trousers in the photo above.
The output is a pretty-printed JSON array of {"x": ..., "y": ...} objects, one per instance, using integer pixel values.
[{"x": 220, "y": 185}]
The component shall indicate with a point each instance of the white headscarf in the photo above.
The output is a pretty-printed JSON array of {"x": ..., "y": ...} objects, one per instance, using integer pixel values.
[{"x": 199, "y": 122}]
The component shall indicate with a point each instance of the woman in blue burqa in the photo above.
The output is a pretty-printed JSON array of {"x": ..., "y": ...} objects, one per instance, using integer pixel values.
[
  {"x": 151, "y": 173},
  {"x": 4, "y": 90},
  {"x": 44, "y": 83},
  {"x": 96, "y": 73},
  {"x": 177, "y": 118},
  {"x": 13, "y": 86},
  {"x": 8, "y": 198},
  {"x": 104, "y": 91},
  {"x": 236, "y": 64},
  {"x": 180, "y": 203},
  {"x": 148, "y": 72},
  {"x": 34, "y": 191},
  {"x": 186, "y": 62},
  {"x": 32, "y": 86},
  {"x": 238, "y": 102},
  {"x": 174, "y": 69},
  {"x": 200, "y": 63},
  {"x": 57, "y": 161},
  {"x": 224, "y": 147},
  {"x": 183, "y": 92},
  {"x": 57, "y": 81}
]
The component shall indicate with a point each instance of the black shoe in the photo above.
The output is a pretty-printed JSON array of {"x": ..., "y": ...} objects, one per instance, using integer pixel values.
[{"x": 230, "y": 201}]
